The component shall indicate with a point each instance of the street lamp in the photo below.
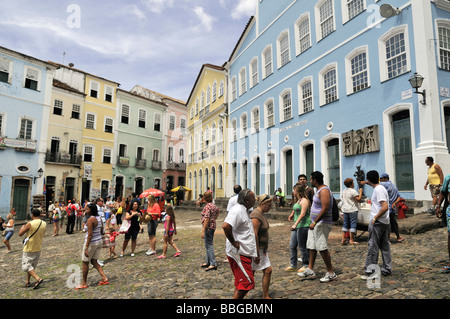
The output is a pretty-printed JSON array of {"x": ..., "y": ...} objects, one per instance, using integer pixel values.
[
  {"x": 416, "y": 82},
  {"x": 40, "y": 173}
]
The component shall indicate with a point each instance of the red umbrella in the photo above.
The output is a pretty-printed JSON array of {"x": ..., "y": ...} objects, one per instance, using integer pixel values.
[{"x": 151, "y": 191}]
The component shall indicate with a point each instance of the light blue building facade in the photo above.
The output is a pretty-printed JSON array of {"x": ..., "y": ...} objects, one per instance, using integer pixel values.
[
  {"x": 323, "y": 85},
  {"x": 25, "y": 93}
]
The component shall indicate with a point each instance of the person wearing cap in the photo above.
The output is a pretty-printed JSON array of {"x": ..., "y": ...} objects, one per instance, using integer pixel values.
[
  {"x": 261, "y": 228},
  {"x": 394, "y": 198}
]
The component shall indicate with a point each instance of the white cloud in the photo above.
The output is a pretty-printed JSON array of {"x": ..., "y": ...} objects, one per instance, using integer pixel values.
[
  {"x": 244, "y": 8},
  {"x": 157, "y": 6},
  {"x": 137, "y": 12},
  {"x": 206, "y": 19}
]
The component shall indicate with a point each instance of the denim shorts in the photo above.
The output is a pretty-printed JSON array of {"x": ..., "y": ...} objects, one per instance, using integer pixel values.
[
  {"x": 151, "y": 227},
  {"x": 9, "y": 234}
]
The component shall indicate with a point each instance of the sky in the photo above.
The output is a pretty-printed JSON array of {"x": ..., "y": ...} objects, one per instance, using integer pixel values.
[{"x": 158, "y": 44}]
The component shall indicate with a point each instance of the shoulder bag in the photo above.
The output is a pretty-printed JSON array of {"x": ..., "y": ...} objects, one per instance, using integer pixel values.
[{"x": 25, "y": 240}]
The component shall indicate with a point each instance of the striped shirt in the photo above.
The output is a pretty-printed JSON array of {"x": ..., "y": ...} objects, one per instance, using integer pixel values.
[{"x": 96, "y": 232}]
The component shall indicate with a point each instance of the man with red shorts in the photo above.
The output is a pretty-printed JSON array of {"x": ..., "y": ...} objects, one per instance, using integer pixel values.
[{"x": 241, "y": 245}]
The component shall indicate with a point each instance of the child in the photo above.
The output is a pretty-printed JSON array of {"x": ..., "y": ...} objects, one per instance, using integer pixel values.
[
  {"x": 9, "y": 229},
  {"x": 170, "y": 228},
  {"x": 112, "y": 239},
  {"x": 56, "y": 216}
]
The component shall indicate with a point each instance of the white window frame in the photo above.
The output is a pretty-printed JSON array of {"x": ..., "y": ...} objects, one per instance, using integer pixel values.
[
  {"x": 282, "y": 107},
  {"x": 348, "y": 68},
  {"x": 125, "y": 110},
  {"x": 255, "y": 121},
  {"x": 91, "y": 84},
  {"x": 38, "y": 80},
  {"x": 33, "y": 128},
  {"x": 319, "y": 4},
  {"x": 382, "y": 50},
  {"x": 58, "y": 104},
  {"x": 144, "y": 118},
  {"x": 301, "y": 106},
  {"x": 345, "y": 6},
  {"x": 253, "y": 72},
  {"x": 172, "y": 121},
  {"x": 9, "y": 67},
  {"x": 86, "y": 120},
  {"x": 221, "y": 88},
  {"x": 92, "y": 154},
  {"x": 104, "y": 149},
  {"x": 197, "y": 104},
  {"x": 265, "y": 63},
  {"x": 214, "y": 91},
  {"x": 243, "y": 121},
  {"x": 325, "y": 70},
  {"x": 442, "y": 23},
  {"x": 266, "y": 113},
  {"x": 242, "y": 80},
  {"x": 105, "y": 122},
  {"x": 298, "y": 39},
  {"x": 284, "y": 33},
  {"x": 109, "y": 87},
  {"x": 208, "y": 95},
  {"x": 233, "y": 88},
  {"x": 234, "y": 130},
  {"x": 157, "y": 116},
  {"x": 2, "y": 124}
]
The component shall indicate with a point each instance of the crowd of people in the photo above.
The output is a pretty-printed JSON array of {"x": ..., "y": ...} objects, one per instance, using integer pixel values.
[{"x": 245, "y": 227}]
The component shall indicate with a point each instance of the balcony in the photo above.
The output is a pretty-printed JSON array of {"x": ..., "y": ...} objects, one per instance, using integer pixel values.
[
  {"x": 62, "y": 158},
  {"x": 123, "y": 161},
  {"x": 141, "y": 163},
  {"x": 156, "y": 165},
  {"x": 176, "y": 166}
]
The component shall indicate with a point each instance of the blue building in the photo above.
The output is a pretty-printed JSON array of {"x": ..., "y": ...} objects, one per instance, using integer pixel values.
[
  {"x": 25, "y": 93},
  {"x": 324, "y": 85}
]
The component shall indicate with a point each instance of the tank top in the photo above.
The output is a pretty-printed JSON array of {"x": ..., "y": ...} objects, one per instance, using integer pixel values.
[
  {"x": 96, "y": 232},
  {"x": 433, "y": 176},
  {"x": 316, "y": 207},
  {"x": 306, "y": 221}
]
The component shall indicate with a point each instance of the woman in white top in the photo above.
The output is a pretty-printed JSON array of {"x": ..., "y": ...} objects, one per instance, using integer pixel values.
[
  {"x": 9, "y": 230},
  {"x": 350, "y": 207}
]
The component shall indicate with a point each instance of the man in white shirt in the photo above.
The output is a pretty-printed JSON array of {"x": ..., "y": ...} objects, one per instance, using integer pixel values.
[
  {"x": 378, "y": 229},
  {"x": 241, "y": 244},
  {"x": 233, "y": 199}
]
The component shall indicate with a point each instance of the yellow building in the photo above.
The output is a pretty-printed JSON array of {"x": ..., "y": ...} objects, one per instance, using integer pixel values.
[
  {"x": 98, "y": 136},
  {"x": 207, "y": 126}
]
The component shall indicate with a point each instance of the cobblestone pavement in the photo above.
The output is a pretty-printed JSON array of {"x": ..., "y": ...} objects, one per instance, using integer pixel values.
[{"x": 416, "y": 268}]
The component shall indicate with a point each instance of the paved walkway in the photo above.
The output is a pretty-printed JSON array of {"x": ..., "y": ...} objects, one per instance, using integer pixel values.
[{"x": 416, "y": 267}]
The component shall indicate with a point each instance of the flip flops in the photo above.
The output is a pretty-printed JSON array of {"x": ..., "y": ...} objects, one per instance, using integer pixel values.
[
  {"x": 81, "y": 287},
  {"x": 102, "y": 283},
  {"x": 36, "y": 285},
  {"x": 177, "y": 254}
]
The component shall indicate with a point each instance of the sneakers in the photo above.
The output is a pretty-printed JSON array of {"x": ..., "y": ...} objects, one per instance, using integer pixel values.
[
  {"x": 150, "y": 252},
  {"x": 307, "y": 274},
  {"x": 330, "y": 276}
]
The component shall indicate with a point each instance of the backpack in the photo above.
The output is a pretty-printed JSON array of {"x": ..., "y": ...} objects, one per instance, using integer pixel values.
[{"x": 335, "y": 210}]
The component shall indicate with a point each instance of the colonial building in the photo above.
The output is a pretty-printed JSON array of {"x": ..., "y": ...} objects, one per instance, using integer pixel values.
[
  {"x": 139, "y": 144},
  {"x": 207, "y": 125},
  {"x": 25, "y": 98},
  {"x": 324, "y": 85}
]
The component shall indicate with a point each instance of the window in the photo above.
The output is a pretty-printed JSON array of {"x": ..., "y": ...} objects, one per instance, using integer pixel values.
[
  {"x": 213, "y": 133},
  {"x": 444, "y": 45},
  {"x": 125, "y": 116},
  {"x": 31, "y": 79},
  {"x": 140, "y": 153},
  {"x": 255, "y": 120},
  {"x": 354, "y": 7},
  {"x": 182, "y": 123},
  {"x": 233, "y": 88},
  {"x": 208, "y": 96},
  {"x": 58, "y": 107},
  {"x": 253, "y": 72},
  {"x": 325, "y": 17},
  {"x": 90, "y": 121},
  {"x": 88, "y": 155},
  {"x": 54, "y": 145},
  {"x": 202, "y": 101},
  {"x": 306, "y": 96},
  {"x": 157, "y": 124},
  {"x": 234, "y": 129},
  {"x": 267, "y": 61},
  {"x": 333, "y": 164},
  {"x": 76, "y": 111},
  {"x": 244, "y": 125},
  {"x": 108, "y": 93},
  {"x": 2, "y": 124},
  {"x": 170, "y": 155},
  {"x": 303, "y": 34},
  {"x": 26, "y": 129},
  {"x": 155, "y": 156},
  {"x": 270, "y": 116},
  {"x": 393, "y": 50},
  {"x": 5, "y": 70},
  {"x": 142, "y": 118},
  {"x": 191, "y": 113},
  {"x": 107, "y": 155},
  {"x": 181, "y": 155},
  {"x": 214, "y": 91},
  {"x": 122, "y": 150},
  {"x": 109, "y": 124},
  {"x": 242, "y": 81},
  {"x": 220, "y": 130},
  {"x": 328, "y": 84},
  {"x": 172, "y": 122},
  {"x": 221, "y": 88},
  {"x": 356, "y": 64},
  {"x": 93, "y": 91},
  {"x": 283, "y": 49},
  {"x": 196, "y": 105},
  {"x": 286, "y": 103}
]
